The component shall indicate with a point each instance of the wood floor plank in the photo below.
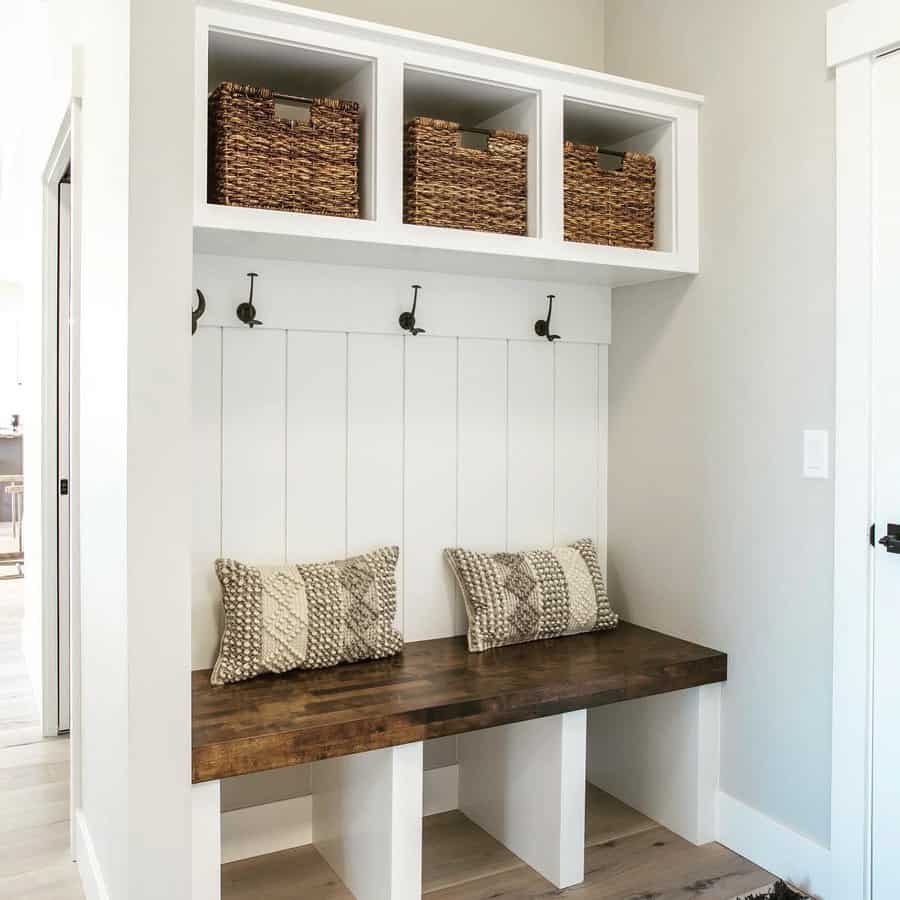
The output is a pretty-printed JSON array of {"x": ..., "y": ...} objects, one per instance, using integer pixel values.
[
  {"x": 609, "y": 819},
  {"x": 16, "y": 777},
  {"x": 456, "y": 850},
  {"x": 29, "y": 849},
  {"x": 299, "y": 874},
  {"x": 652, "y": 865},
  {"x": 52, "y": 750},
  {"x": 35, "y": 861},
  {"x": 58, "y": 882},
  {"x": 661, "y": 865}
]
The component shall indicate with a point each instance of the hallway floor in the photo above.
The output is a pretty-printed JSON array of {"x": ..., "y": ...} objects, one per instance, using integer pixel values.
[{"x": 35, "y": 862}]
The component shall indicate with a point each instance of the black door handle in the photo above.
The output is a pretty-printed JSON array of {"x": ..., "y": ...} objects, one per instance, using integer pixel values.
[{"x": 891, "y": 541}]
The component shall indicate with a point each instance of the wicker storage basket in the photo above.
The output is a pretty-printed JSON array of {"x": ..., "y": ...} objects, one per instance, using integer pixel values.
[
  {"x": 604, "y": 206},
  {"x": 462, "y": 187},
  {"x": 257, "y": 159}
]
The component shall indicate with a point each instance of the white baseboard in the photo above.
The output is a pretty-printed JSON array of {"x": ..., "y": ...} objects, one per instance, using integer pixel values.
[
  {"x": 88, "y": 867},
  {"x": 786, "y": 853},
  {"x": 272, "y": 827}
]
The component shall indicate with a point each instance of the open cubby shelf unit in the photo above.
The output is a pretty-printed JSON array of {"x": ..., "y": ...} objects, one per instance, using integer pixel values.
[{"x": 395, "y": 75}]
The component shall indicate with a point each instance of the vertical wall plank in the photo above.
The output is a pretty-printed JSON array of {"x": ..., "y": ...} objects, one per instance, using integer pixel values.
[
  {"x": 602, "y": 452},
  {"x": 375, "y": 444},
  {"x": 577, "y": 436},
  {"x": 531, "y": 445},
  {"x": 206, "y": 480},
  {"x": 316, "y": 455},
  {"x": 482, "y": 444},
  {"x": 253, "y": 415},
  {"x": 431, "y": 606}
]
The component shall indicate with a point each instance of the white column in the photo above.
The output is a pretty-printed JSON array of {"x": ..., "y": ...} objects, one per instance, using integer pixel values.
[
  {"x": 524, "y": 784},
  {"x": 206, "y": 842},
  {"x": 660, "y": 755},
  {"x": 367, "y": 821}
]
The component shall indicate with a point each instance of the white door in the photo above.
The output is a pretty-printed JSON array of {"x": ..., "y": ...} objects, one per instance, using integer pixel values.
[
  {"x": 64, "y": 418},
  {"x": 886, "y": 444}
]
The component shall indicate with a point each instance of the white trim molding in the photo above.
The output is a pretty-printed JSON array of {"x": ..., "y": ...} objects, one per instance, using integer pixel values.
[
  {"x": 770, "y": 844},
  {"x": 88, "y": 865},
  {"x": 858, "y": 32},
  {"x": 862, "y": 28},
  {"x": 57, "y": 163}
]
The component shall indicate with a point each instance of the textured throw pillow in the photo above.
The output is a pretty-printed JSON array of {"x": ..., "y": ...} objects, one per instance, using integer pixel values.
[
  {"x": 279, "y": 618},
  {"x": 516, "y": 597}
]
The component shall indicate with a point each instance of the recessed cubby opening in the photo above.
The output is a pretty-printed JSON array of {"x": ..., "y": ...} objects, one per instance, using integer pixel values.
[
  {"x": 459, "y": 855},
  {"x": 622, "y": 130},
  {"x": 297, "y": 71},
  {"x": 481, "y": 105}
]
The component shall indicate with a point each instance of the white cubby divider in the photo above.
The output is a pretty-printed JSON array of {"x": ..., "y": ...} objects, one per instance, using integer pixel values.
[{"x": 396, "y": 74}]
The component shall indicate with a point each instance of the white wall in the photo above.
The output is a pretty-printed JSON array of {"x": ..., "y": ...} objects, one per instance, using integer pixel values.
[{"x": 713, "y": 379}]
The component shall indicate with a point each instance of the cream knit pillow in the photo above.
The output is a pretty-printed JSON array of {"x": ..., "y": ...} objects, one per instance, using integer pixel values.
[
  {"x": 516, "y": 597},
  {"x": 309, "y": 616}
]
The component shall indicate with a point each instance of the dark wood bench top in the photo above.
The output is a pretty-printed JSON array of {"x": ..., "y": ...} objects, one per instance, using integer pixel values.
[{"x": 433, "y": 689}]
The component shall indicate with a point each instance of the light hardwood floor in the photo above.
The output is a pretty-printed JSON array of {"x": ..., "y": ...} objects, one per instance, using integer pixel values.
[
  {"x": 627, "y": 857},
  {"x": 35, "y": 863}
]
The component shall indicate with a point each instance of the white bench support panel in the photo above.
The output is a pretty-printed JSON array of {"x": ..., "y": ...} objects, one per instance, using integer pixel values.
[
  {"x": 367, "y": 821},
  {"x": 524, "y": 783},
  {"x": 660, "y": 755},
  {"x": 206, "y": 844}
]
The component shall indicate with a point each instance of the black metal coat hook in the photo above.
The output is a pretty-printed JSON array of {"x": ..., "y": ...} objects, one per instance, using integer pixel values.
[
  {"x": 198, "y": 312},
  {"x": 542, "y": 326},
  {"x": 246, "y": 311},
  {"x": 408, "y": 319}
]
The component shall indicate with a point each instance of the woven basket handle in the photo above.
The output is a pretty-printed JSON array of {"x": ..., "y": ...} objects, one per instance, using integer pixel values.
[
  {"x": 486, "y": 133},
  {"x": 299, "y": 101},
  {"x": 623, "y": 157}
]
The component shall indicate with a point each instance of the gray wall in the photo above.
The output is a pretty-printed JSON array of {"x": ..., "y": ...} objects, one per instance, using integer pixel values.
[
  {"x": 566, "y": 31},
  {"x": 714, "y": 535}
]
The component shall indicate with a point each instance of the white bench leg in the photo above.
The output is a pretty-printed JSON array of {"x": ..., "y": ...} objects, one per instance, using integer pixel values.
[
  {"x": 661, "y": 755},
  {"x": 524, "y": 783},
  {"x": 367, "y": 821},
  {"x": 206, "y": 842}
]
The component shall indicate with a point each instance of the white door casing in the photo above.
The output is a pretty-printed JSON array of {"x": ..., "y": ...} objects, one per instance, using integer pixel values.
[
  {"x": 63, "y": 437},
  {"x": 886, "y": 477},
  {"x": 859, "y": 34}
]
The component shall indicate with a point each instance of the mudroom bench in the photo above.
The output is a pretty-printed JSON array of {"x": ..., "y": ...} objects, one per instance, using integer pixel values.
[{"x": 521, "y": 716}]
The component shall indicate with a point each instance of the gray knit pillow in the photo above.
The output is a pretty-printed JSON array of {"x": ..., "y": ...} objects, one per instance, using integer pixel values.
[
  {"x": 517, "y": 597},
  {"x": 279, "y": 618}
]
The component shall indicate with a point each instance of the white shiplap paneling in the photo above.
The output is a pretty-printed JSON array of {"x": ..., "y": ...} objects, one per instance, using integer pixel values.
[
  {"x": 431, "y": 606},
  {"x": 531, "y": 445},
  {"x": 481, "y": 462},
  {"x": 576, "y": 435},
  {"x": 316, "y": 437},
  {"x": 602, "y": 451},
  {"x": 375, "y": 444},
  {"x": 316, "y": 456},
  {"x": 253, "y": 444},
  {"x": 357, "y": 299}
]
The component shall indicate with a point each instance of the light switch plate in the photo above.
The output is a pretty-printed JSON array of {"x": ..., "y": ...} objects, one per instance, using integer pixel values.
[{"x": 815, "y": 454}]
